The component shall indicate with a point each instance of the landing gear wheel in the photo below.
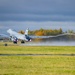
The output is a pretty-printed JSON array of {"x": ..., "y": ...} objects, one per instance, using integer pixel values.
[
  {"x": 5, "y": 44},
  {"x": 22, "y": 41},
  {"x": 14, "y": 42}
]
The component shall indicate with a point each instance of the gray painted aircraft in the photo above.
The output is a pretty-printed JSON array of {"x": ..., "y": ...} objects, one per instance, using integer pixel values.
[{"x": 14, "y": 36}]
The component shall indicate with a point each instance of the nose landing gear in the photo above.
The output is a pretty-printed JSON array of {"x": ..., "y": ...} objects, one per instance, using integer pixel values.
[{"x": 22, "y": 41}]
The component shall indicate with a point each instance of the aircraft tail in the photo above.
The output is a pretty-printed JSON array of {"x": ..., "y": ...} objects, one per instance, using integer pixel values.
[{"x": 26, "y": 32}]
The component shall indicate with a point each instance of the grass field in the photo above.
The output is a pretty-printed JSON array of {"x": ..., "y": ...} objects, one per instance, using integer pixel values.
[{"x": 37, "y": 65}]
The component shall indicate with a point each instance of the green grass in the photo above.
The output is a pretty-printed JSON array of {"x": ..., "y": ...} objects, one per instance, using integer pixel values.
[
  {"x": 37, "y": 50},
  {"x": 37, "y": 65}
]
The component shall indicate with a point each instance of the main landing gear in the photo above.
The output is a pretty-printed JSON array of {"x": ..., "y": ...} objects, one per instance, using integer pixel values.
[
  {"x": 15, "y": 42},
  {"x": 22, "y": 41}
]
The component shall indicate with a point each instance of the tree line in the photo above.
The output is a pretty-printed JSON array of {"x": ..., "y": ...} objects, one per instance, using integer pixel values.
[{"x": 47, "y": 32}]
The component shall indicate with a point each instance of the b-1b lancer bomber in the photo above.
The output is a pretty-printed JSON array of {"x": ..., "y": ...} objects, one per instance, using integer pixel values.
[{"x": 14, "y": 36}]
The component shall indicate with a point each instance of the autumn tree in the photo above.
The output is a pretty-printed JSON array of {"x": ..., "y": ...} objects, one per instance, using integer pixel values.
[
  {"x": 44, "y": 32},
  {"x": 21, "y": 32}
]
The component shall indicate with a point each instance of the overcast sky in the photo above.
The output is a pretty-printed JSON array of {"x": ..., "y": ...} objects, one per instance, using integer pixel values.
[{"x": 34, "y": 14}]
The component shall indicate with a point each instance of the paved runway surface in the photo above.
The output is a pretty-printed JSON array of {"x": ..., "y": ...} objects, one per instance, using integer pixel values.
[{"x": 37, "y": 54}]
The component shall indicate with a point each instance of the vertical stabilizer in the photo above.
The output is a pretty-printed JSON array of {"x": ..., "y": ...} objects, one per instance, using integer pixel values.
[{"x": 26, "y": 32}]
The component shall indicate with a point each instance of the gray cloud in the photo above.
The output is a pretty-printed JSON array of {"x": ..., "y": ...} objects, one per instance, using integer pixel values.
[
  {"x": 37, "y": 10},
  {"x": 34, "y": 17}
]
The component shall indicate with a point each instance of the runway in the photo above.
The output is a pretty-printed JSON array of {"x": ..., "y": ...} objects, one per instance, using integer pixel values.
[{"x": 37, "y": 54}]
